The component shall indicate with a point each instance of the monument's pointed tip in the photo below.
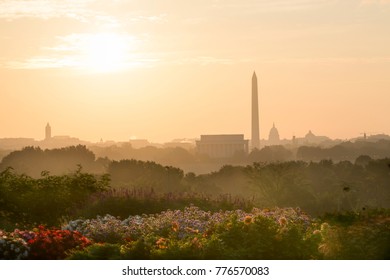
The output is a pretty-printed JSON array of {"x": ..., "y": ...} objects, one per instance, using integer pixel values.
[{"x": 254, "y": 75}]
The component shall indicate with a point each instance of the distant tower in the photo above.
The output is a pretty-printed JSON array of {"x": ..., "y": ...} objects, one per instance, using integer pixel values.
[
  {"x": 47, "y": 132},
  {"x": 255, "y": 114}
]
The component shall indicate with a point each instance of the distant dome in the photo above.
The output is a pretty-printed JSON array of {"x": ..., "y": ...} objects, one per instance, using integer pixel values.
[
  {"x": 273, "y": 137},
  {"x": 310, "y": 135}
]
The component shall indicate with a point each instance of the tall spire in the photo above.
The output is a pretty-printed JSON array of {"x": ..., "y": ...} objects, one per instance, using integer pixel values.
[
  {"x": 255, "y": 114},
  {"x": 47, "y": 132}
]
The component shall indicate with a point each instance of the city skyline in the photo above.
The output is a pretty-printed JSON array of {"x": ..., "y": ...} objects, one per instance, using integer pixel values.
[
  {"x": 271, "y": 137},
  {"x": 139, "y": 69}
]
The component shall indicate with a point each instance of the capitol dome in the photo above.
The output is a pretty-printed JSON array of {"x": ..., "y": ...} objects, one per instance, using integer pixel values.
[
  {"x": 310, "y": 136},
  {"x": 273, "y": 137}
]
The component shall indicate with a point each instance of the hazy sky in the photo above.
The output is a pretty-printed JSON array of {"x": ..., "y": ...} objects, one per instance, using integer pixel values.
[{"x": 178, "y": 68}]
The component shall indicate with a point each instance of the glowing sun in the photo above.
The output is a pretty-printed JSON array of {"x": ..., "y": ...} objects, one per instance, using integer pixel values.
[{"x": 105, "y": 52}]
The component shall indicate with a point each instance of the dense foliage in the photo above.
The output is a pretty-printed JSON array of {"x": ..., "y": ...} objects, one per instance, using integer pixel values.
[
  {"x": 46, "y": 200},
  {"x": 140, "y": 174},
  {"x": 316, "y": 187}
]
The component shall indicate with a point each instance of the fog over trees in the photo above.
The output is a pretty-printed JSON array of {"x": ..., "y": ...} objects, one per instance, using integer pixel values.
[{"x": 270, "y": 176}]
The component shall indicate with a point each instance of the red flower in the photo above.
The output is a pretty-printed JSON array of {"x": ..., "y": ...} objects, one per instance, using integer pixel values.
[{"x": 53, "y": 243}]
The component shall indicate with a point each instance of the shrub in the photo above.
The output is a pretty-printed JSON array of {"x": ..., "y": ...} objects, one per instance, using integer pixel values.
[
  {"x": 46, "y": 200},
  {"x": 367, "y": 237},
  {"x": 53, "y": 244}
]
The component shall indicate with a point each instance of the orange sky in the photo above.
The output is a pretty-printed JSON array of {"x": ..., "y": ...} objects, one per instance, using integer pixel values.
[{"x": 178, "y": 68}]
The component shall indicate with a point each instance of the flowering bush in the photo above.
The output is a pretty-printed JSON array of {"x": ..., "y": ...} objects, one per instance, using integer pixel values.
[
  {"x": 51, "y": 244},
  {"x": 280, "y": 233},
  {"x": 102, "y": 229},
  {"x": 12, "y": 247},
  {"x": 196, "y": 234},
  {"x": 185, "y": 222}
]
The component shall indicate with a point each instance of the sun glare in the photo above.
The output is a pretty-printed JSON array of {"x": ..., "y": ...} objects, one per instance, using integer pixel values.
[{"x": 106, "y": 52}]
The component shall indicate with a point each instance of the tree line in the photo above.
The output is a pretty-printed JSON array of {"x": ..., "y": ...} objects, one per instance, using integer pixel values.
[{"x": 317, "y": 187}]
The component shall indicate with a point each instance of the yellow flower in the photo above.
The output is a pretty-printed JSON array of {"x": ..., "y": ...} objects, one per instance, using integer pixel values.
[
  {"x": 188, "y": 229},
  {"x": 175, "y": 226},
  {"x": 161, "y": 243},
  {"x": 316, "y": 232},
  {"x": 282, "y": 221},
  {"x": 247, "y": 220},
  {"x": 325, "y": 226},
  {"x": 195, "y": 242}
]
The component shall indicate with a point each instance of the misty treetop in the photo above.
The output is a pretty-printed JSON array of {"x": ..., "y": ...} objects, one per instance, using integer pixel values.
[
  {"x": 140, "y": 174},
  {"x": 34, "y": 160}
]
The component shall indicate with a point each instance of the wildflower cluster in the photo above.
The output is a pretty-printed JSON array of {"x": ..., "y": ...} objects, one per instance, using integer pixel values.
[
  {"x": 193, "y": 233},
  {"x": 102, "y": 229},
  {"x": 189, "y": 221},
  {"x": 12, "y": 246},
  {"x": 41, "y": 243},
  {"x": 54, "y": 243}
]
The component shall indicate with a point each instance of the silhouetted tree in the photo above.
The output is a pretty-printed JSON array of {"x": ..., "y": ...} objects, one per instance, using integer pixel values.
[
  {"x": 363, "y": 160},
  {"x": 33, "y": 160}
]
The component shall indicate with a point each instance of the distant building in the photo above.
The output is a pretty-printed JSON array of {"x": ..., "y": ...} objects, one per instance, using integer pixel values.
[
  {"x": 273, "y": 138},
  {"x": 61, "y": 141},
  {"x": 47, "y": 132},
  {"x": 312, "y": 139},
  {"x": 222, "y": 146},
  {"x": 139, "y": 143}
]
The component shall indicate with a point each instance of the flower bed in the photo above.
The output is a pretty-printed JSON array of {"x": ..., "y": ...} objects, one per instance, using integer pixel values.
[
  {"x": 189, "y": 221},
  {"x": 197, "y": 234},
  {"x": 280, "y": 233}
]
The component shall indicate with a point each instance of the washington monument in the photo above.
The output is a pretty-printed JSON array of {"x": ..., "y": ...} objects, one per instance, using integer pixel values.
[{"x": 255, "y": 140}]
